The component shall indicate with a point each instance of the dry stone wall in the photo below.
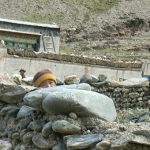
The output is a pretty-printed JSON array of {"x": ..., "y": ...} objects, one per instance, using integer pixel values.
[
  {"x": 25, "y": 127},
  {"x": 126, "y": 97}
]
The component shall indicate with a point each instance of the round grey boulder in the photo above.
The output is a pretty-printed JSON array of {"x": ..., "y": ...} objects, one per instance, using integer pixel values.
[{"x": 64, "y": 127}]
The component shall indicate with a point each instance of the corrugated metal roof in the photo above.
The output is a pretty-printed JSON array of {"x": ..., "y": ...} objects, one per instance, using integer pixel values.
[
  {"x": 29, "y": 23},
  {"x": 14, "y": 31}
]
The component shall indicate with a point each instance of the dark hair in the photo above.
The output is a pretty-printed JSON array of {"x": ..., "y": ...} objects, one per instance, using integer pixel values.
[{"x": 22, "y": 70}]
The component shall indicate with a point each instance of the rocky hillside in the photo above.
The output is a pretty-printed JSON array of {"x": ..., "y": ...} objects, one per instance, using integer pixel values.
[{"x": 92, "y": 24}]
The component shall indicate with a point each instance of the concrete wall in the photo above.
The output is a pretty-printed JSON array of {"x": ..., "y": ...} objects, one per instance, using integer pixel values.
[{"x": 13, "y": 64}]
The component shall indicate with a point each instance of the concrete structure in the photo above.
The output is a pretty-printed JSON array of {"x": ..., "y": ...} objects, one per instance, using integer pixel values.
[
  {"x": 27, "y": 35},
  {"x": 12, "y": 64}
]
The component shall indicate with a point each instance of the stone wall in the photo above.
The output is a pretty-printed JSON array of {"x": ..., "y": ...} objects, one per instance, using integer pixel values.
[
  {"x": 127, "y": 97},
  {"x": 23, "y": 127}
]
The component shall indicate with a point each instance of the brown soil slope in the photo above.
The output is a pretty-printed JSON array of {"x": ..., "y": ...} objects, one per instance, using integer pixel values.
[{"x": 126, "y": 25}]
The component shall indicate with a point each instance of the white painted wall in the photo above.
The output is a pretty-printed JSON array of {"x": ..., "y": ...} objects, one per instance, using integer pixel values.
[{"x": 12, "y": 65}]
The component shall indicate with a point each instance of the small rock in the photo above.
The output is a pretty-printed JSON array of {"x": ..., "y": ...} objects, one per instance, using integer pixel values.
[
  {"x": 82, "y": 141},
  {"x": 22, "y": 147},
  {"x": 35, "y": 126},
  {"x": 23, "y": 123},
  {"x": 26, "y": 111},
  {"x": 73, "y": 116},
  {"x": 88, "y": 78},
  {"x": 64, "y": 127},
  {"x": 9, "y": 110},
  {"x": 88, "y": 131},
  {"x": 122, "y": 128},
  {"x": 149, "y": 103},
  {"x": 27, "y": 138},
  {"x": 47, "y": 129},
  {"x": 134, "y": 95},
  {"x": 102, "y": 77},
  {"x": 59, "y": 146},
  {"x": 3, "y": 133},
  {"x": 15, "y": 136},
  {"x": 42, "y": 142},
  {"x": 104, "y": 145},
  {"x": 5, "y": 145},
  {"x": 72, "y": 79},
  {"x": 111, "y": 131}
]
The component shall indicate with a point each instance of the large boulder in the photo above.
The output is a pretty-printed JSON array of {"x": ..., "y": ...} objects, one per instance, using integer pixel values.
[
  {"x": 35, "y": 98},
  {"x": 13, "y": 93},
  {"x": 83, "y": 103}
]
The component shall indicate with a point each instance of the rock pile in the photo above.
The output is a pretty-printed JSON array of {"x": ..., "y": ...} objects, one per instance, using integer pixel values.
[
  {"x": 24, "y": 124},
  {"x": 37, "y": 130}
]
